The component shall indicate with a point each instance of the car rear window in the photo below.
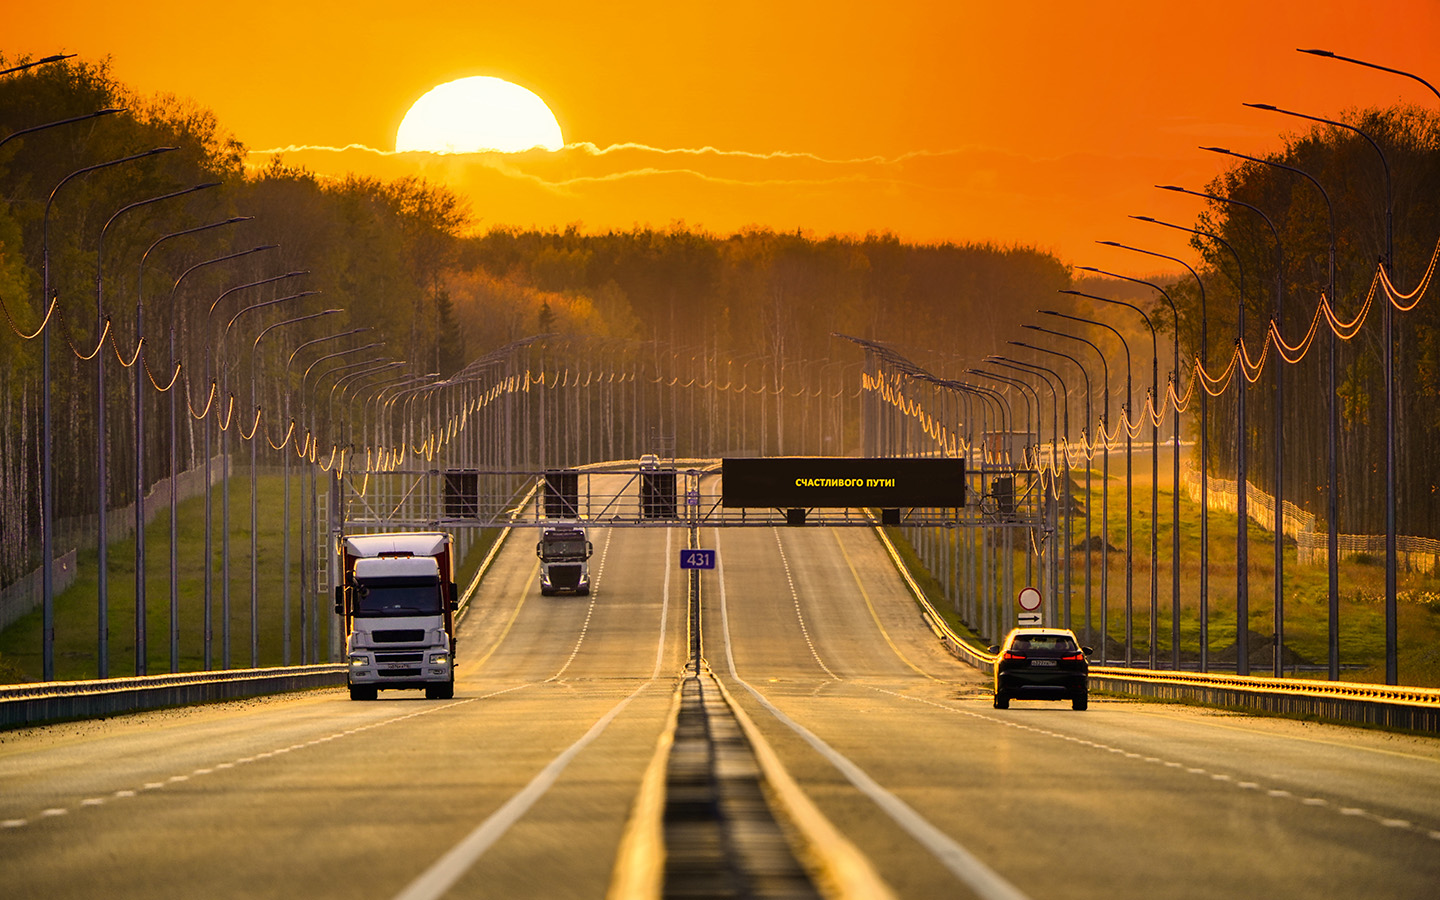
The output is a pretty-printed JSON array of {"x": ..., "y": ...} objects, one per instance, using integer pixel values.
[{"x": 1061, "y": 642}]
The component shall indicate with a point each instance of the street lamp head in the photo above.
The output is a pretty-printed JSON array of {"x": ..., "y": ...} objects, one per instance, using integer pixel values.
[
  {"x": 1172, "y": 187},
  {"x": 1218, "y": 150},
  {"x": 1141, "y": 218},
  {"x": 1326, "y": 53},
  {"x": 1264, "y": 106},
  {"x": 1090, "y": 268}
]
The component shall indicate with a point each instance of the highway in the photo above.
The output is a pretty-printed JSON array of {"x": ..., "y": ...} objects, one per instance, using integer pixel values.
[{"x": 523, "y": 784}]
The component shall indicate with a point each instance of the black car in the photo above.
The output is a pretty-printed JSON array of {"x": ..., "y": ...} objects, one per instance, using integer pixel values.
[{"x": 1041, "y": 664}]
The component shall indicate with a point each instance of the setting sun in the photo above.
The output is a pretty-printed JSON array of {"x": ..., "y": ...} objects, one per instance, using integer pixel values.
[{"x": 478, "y": 114}]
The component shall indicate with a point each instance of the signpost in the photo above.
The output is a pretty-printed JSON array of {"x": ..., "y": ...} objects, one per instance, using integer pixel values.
[
  {"x": 697, "y": 559},
  {"x": 789, "y": 482},
  {"x": 1030, "y": 601}
]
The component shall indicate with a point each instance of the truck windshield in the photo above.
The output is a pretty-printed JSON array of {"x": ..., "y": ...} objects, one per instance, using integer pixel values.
[
  {"x": 564, "y": 549},
  {"x": 397, "y": 597}
]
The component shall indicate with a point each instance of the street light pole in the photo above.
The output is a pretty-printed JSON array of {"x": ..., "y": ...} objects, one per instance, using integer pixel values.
[
  {"x": 1242, "y": 508},
  {"x": 254, "y": 506},
  {"x": 1392, "y": 674},
  {"x": 225, "y": 537},
  {"x": 285, "y": 563},
  {"x": 39, "y": 62},
  {"x": 212, "y": 410},
  {"x": 175, "y": 465},
  {"x": 1154, "y": 635},
  {"x": 1332, "y": 422},
  {"x": 1129, "y": 483},
  {"x": 1174, "y": 397},
  {"x": 1063, "y": 498},
  {"x": 1278, "y": 426},
  {"x": 1029, "y": 564},
  {"x": 1069, "y": 539},
  {"x": 1203, "y": 446},
  {"x": 102, "y": 478},
  {"x": 47, "y": 442},
  {"x": 141, "y": 368}
]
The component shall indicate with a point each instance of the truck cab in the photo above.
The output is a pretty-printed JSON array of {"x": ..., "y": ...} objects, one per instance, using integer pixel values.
[
  {"x": 564, "y": 560},
  {"x": 398, "y": 598}
]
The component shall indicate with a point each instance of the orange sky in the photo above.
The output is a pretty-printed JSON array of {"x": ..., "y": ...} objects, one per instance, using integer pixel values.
[{"x": 1041, "y": 123}]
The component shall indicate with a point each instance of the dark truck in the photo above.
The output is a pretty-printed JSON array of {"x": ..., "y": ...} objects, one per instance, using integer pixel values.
[{"x": 564, "y": 559}]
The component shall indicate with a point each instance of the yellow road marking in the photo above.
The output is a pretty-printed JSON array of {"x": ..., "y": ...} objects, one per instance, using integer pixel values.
[
  {"x": 870, "y": 606},
  {"x": 513, "y": 616}
]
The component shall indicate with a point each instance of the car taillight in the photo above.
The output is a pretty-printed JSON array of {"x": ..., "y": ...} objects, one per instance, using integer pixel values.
[
  {"x": 1077, "y": 657},
  {"x": 1012, "y": 655}
]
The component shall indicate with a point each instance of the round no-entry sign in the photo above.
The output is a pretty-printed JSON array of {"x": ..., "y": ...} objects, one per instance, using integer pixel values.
[{"x": 1029, "y": 599}]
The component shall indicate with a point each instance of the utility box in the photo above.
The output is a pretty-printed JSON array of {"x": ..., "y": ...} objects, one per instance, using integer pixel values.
[
  {"x": 657, "y": 494},
  {"x": 562, "y": 494}
]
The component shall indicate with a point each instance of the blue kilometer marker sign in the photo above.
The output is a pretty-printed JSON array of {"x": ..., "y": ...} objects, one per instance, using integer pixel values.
[{"x": 697, "y": 559}]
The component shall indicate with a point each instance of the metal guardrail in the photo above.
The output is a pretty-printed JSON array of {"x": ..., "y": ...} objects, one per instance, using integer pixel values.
[
  {"x": 31, "y": 704},
  {"x": 51, "y": 701},
  {"x": 1389, "y": 706}
]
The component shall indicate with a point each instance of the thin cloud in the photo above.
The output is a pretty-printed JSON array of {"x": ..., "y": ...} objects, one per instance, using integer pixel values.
[{"x": 595, "y": 150}]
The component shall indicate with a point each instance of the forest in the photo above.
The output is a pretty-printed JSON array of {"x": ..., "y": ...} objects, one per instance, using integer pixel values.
[{"x": 197, "y": 254}]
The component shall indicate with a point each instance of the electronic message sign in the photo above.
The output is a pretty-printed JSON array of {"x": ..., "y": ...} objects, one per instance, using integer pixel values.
[{"x": 807, "y": 482}]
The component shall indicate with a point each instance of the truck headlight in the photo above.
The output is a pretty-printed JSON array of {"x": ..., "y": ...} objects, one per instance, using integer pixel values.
[
  {"x": 439, "y": 659},
  {"x": 359, "y": 661}
]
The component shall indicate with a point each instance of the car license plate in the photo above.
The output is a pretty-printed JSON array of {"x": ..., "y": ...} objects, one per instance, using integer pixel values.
[{"x": 1042, "y": 662}]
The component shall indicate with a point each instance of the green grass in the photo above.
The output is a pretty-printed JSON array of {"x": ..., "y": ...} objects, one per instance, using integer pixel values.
[
  {"x": 77, "y": 612},
  {"x": 1306, "y": 605}
]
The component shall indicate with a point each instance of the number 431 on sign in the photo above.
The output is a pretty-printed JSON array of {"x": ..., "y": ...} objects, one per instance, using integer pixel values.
[{"x": 697, "y": 559}]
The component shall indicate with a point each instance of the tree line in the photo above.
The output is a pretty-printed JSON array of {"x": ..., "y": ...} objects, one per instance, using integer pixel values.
[{"x": 1350, "y": 172}]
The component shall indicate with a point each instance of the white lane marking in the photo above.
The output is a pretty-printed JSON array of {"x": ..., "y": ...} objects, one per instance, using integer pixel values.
[
  {"x": 980, "y": 878},
  {"x": 1279, "y": 794},
  {"x": 175, "y": 779},
  {"x": 437, "y": 879},
  {"x": 795, "y": 596},
  {"x": 664, "y": 607},
  {"x": 14, "y": 823},
  {"x": 589, "y": 610}
]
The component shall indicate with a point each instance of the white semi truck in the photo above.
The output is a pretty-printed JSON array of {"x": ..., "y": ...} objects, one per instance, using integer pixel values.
[
  {"x": 564, "y": 559},
  {"x": 398, "y": 599}
]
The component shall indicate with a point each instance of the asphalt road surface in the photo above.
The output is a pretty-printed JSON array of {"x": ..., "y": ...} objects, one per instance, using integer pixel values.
[{"x": 522, "y": 785}]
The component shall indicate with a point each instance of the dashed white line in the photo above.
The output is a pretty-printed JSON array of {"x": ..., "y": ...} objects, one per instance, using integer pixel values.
[
  {"x": 176, "y": 779},
  {"x": 795, "y": 596},
  {"x": 1277, "y": 793}
]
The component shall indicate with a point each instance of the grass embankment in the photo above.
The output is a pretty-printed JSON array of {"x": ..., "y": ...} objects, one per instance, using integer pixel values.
[
  {"x": 77, "y": 608},
  {"x": 1306, "y": 595}
]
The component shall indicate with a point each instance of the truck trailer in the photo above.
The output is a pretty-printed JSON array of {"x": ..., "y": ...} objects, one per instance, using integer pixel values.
[
  {"x": 564, "y": 559},
  {"x": 398, "y": 599}
]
